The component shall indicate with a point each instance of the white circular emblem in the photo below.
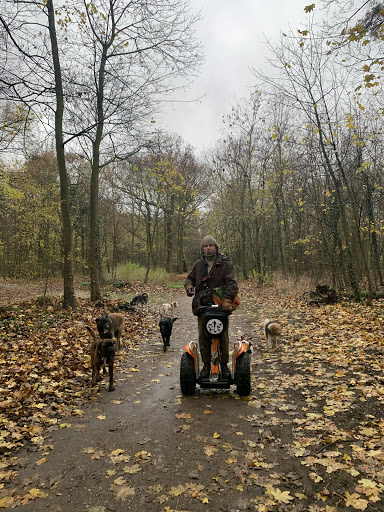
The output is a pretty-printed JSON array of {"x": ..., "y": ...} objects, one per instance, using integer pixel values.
[{"x": 214, "y": 326}]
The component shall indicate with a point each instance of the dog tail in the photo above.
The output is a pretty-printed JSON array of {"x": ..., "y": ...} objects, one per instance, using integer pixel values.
[
  {"x": 174, "y": 319},
  {"x": 272, "y": 327},
  {"x": 92, "y": 332}
]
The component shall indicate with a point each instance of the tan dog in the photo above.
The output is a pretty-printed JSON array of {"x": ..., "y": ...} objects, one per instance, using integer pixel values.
[
  {"x": 111, "y": 326},
  {"x": 168, "y": 309},
  {"x": 102, "y": 355},
  {"x": 272, "y": 331}
]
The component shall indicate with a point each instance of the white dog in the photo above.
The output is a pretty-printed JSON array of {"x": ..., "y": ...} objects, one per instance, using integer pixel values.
[
  {"x": 168, "y": 309},
  {"x": 272, "y": 331}
]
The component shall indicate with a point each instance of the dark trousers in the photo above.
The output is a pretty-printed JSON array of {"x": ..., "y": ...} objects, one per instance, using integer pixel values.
[{"x": 205, "y": 345}]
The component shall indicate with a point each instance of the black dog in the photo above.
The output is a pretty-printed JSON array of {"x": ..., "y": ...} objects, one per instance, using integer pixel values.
[
  {"x": 166, "y": 325},
  {"x": 140, "y": 299}
]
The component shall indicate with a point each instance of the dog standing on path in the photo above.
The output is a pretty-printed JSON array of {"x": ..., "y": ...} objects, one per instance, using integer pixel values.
[
  {"x": 102, "y": 356},
  {"x": 168, "y": 309},
  {"x": 272, "y": 332},
  {"x": 166, "y": 325},
  {"x": 111, "y": 326}
]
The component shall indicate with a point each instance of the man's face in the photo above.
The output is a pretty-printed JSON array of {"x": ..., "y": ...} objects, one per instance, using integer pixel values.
[{"x": 209, "y": 249}]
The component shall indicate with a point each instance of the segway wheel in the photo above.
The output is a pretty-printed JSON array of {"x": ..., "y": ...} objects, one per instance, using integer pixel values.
[
  {"x": 187, "y": 374},
  {"x": 243, "y": 374}
]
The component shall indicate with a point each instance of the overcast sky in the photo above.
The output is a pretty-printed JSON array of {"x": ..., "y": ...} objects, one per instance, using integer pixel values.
[{"x": 233, "y": 33}]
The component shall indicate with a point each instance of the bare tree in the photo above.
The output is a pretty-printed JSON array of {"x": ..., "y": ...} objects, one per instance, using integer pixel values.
[
  {"x": 120, "y": 59},
  {"x": 32, "y": 75},
  {"x": 134, "y": 52}
]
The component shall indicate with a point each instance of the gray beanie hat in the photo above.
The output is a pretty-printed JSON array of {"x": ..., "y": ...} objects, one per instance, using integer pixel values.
[{"x": 209, "y": 240}]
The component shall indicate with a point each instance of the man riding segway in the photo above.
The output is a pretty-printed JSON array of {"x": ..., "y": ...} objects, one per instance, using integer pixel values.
[{"x": 212, "y": 274}]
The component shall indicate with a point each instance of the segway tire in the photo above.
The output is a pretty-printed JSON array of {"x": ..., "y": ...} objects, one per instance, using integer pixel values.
[
  {"x": 243, "y": 374},
  {"x": 187, "y": 374}
]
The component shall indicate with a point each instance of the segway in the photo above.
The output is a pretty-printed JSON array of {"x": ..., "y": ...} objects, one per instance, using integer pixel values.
[{"x": 214, "y": 320}]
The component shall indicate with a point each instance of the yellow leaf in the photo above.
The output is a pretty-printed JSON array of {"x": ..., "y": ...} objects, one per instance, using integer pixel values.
[
  {"x": 315, "y": 477},
  {"x": 183, "y": 415},
  {"x": 37, "y": 493},
  {"x": 101, "y": 417},
  {"x": 77, "y": 412},
  {"x": 205, "y": 500},
  {"x": 119, "y": 481},
  {"x": 216, "y": 435},
  {"x": 354, "y": 500},
  {"x": 41, "y": 461},
  {"x": 207, "y": 412},
  {"x": 176, "y": 491},
  {"x": 119, "y": 451},
  {"x": 210, "y": 450},
  {"x": 124, "y": 492},
  {"x": 142, "y": 455},
  {"x": 278, "y": 495},
  {"x": 89, "y": 450},
  {"x": 368, "y": 431},
  {"x": 5, "y": 502}
]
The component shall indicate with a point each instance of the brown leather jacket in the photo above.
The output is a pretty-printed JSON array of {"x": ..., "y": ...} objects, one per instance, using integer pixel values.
[{"x": 221, "y": 274}]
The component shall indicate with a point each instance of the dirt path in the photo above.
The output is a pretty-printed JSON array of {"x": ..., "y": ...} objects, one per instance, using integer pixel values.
[{"x": 145, "y": 447}]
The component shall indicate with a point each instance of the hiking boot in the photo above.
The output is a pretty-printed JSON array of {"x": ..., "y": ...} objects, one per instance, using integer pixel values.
[
  {"x": 225, "y": 372},
  {"x": 204, "y": 374}
]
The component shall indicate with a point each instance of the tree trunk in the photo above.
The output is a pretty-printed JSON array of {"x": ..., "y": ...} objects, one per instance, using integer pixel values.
[
  {"x": 94, "y": 270},
  {"x": 372, "y": 232},
  {"x": 69, "y": 294}
]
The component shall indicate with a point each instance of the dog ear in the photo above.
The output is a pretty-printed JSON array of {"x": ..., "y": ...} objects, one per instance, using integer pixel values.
[{"x": 98, "y": 321}]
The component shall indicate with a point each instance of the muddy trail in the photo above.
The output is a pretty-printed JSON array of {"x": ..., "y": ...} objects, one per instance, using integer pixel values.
[{"x": 145, "y": 446}]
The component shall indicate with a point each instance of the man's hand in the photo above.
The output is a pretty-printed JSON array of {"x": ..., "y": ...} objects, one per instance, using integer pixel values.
[
  {"x": 189, "y": 290},
  {"x": 227, "y": 305}
]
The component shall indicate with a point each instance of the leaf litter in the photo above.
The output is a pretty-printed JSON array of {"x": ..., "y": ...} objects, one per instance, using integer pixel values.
[{"x": 315, "y": 412}]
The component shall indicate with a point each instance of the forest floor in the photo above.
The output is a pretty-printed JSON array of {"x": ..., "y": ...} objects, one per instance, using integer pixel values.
[{"x": 309, "y": 437}]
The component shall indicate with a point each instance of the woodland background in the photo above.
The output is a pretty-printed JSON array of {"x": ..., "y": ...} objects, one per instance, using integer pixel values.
[{"x": 89, "y": 185}]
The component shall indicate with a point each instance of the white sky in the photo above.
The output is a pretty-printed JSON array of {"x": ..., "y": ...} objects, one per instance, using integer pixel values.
[{"x": 233, "y": 33}]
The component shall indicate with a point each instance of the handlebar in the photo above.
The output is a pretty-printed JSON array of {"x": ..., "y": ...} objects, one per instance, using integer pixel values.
[{"x": 203, "y": 309}]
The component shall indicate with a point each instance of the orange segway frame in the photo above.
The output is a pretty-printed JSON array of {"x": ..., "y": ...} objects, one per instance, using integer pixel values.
[
  {"x": 239, "y": 347},
  {"x": 193, "y": 349}
]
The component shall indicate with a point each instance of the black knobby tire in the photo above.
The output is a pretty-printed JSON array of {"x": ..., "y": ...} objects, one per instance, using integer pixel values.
[
  {"x": 187, "y": 374},
  {"x": 243, "y": 374}
]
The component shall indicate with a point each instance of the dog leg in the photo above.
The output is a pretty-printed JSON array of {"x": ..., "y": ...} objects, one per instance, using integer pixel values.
[
  {"x": 111, "y": 387},
  {"x": 96, "y": 377}
]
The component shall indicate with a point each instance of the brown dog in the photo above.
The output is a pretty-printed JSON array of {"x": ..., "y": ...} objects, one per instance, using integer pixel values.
[
  {"x": 102, "y": 355},
  {"x": 111, "y": 326}
]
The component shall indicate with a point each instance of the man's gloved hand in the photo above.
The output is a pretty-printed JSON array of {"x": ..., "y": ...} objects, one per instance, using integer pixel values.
[
  {"x": 189, "y": 290},
  {"x": 227, "y": 305}
]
